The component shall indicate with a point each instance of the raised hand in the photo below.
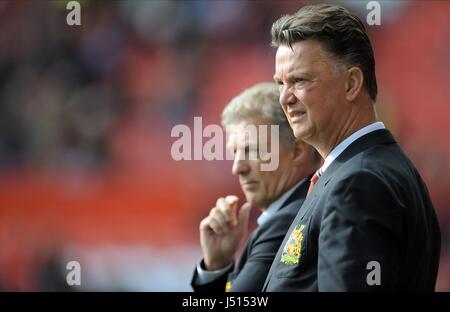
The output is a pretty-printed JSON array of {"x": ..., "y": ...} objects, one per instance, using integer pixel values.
[{"x": 222, "y": 231}]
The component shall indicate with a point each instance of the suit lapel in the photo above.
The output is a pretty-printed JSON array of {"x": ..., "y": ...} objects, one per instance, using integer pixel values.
[
  {"x": 382, "y": 136},
  {"x": 298, "y": 193}
]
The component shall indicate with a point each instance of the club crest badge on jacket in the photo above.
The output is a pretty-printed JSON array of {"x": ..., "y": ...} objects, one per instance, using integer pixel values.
[
  {"x": 228, "y": 286},
  {"x": 292, "y": 249}
]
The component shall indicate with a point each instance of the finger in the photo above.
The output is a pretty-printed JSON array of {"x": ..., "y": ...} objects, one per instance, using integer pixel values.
[
  {"x": 228, "y": 206},
  {"x": 223, "y": 207},
  {"x": 204, "y": 224},
  {"x": 226, "y": 210},
  {"x": 219, "y": 217},
  {"x": 219, "y": 201},
  {"x": 214, "y": 225},
  {"x": 232, "y": 199},
  {"x": 232, "y": 202}
]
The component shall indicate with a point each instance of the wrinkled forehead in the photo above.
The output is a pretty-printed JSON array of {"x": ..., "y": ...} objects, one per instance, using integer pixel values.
[
  {"x": 303, "y": 55},
  {"x": 245, "y": 134}
]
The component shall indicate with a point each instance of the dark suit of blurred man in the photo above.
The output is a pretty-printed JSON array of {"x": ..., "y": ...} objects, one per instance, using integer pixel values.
[{"x": 278, "y": 193}]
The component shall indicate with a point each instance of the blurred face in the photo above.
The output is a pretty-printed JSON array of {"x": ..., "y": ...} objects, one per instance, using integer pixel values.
[
  {"x": 311, "y": 90},
  {"x": 261, "y": 188}
]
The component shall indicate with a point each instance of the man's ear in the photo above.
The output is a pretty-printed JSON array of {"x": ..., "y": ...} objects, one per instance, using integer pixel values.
[{"x": 354, "y": 83}]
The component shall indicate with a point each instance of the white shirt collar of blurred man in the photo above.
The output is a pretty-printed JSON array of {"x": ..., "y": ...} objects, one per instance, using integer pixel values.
[{"x": 277, "y": 204}]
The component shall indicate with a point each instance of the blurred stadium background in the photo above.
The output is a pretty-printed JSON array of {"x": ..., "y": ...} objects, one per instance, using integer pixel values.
[{"x": 86, "y": 113}]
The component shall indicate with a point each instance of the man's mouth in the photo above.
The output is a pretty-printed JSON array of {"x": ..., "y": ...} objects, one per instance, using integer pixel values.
[
  {"x": 296, "y": 116},
  {"x": 248, "y": 183}
]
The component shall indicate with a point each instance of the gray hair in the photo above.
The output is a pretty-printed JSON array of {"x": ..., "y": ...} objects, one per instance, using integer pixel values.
[
  {"x": 261, "y": 100},
  {"x": 340, "y": 32}
]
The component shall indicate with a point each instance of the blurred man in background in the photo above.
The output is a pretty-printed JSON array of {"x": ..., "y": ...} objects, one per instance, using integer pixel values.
[
  {"x": 368, "y": 222},
  {"x": 279, "y": 194}
]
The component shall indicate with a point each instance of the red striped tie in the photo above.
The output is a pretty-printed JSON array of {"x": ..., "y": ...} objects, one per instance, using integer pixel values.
[{"x": 312, "y": 182}]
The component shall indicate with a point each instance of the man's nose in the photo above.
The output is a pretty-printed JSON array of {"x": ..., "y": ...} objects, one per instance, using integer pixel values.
[
  {"x": 240, "y": 165},
  {"x": 287, "y": 97}
]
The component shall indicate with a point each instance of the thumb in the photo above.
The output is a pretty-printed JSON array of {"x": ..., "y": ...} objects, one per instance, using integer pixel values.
[{"x": 244, "y": 213}]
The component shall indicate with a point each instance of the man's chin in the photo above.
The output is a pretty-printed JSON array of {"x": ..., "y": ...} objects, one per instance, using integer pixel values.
[{"x": 300, "y": 133}]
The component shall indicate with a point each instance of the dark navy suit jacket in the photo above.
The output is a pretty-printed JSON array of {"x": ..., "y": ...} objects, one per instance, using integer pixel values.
[{"x": 369, "y": 205}]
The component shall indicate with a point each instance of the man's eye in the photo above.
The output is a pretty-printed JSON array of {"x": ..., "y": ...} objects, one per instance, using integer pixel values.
[
  {"x": 253, "y": 149},
  {"x": 298, "y": 80}
]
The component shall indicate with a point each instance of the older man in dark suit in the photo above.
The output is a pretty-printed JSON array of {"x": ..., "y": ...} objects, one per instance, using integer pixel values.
[
  {"x": 278, "y": 192},
  {"x": 368, "y": 222}
]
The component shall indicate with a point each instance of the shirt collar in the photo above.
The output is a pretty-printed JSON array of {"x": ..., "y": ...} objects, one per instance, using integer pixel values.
[
  {"x": 276, "y": 205},
  {"x": 344, "y": 144}
]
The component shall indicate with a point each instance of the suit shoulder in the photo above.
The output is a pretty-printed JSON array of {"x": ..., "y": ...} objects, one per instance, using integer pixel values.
[
  {"x": 378, "y": 181},
  {"x": 386, "y": 164}
]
